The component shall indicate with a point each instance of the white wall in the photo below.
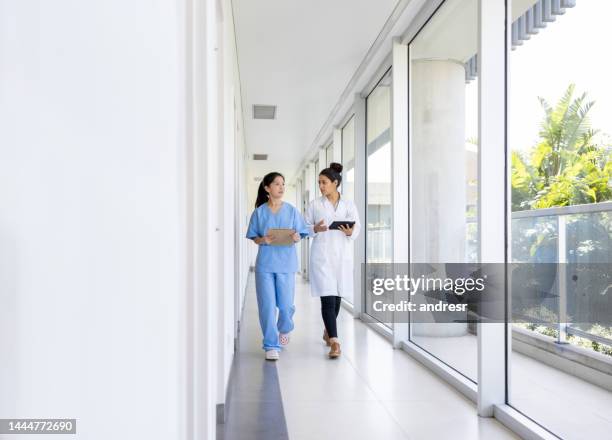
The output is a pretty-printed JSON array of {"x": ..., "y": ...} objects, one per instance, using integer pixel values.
[
  {"x": 234, "y": 201},
  {"x": 99, "y": 285}
]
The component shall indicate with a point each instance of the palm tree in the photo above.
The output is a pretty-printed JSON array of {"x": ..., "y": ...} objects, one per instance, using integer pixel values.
[
  {"x": 564, "y": 131},
  {"x": 567, "y": 166}
]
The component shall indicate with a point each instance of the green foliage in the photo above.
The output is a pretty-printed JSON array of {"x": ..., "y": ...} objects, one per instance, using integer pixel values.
[
  {"x": 597, "y": 330},
  {"x": 570, "y": 165},
  {"x": 547, "y": 330}
]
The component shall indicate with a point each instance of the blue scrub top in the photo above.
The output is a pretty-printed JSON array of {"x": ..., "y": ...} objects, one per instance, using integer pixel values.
[{"x": 279, "y": 259}]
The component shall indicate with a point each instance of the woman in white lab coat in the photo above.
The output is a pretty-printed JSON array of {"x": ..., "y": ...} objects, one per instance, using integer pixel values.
[{"x": 331, "y": 254}]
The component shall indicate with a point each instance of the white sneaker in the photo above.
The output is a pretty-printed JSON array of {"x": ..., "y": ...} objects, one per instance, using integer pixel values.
[{"x": 272, "y": 355}]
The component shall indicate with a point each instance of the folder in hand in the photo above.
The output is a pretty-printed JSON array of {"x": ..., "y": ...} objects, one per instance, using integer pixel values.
[{"x": 281, "y": 236}]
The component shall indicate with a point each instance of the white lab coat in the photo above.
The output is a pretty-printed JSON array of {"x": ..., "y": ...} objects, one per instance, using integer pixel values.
[{"x": 331, "y": 253}]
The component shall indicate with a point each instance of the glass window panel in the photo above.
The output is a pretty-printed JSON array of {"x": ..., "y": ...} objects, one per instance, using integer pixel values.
[
  {"x": 379, "y": 234},
  {"x": 559, "y": 130},
  {"x": 444, "y": 171}
]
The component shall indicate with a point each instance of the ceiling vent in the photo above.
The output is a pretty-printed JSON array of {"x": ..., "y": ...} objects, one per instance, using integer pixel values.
[
  {"x": 264, "y": 111},
  {"x": 260, "y": 157}
]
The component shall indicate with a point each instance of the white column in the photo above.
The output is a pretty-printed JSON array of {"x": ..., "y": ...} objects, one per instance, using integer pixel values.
[
  {"x": 493, "y": 190},
  {"x": 438, "y": 175},
  {"x": 439, "y": 152},
  {"x": 360, "y": 200},
  {"x": 399, "y": 155},
  {"x": 99, "y": 235},
  {"x": 206, "y": 221}
]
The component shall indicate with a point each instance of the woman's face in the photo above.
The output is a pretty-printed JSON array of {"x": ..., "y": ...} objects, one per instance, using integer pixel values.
[
  {"x": 277, "y": 188},
  {"x": 326, "y": 186}
]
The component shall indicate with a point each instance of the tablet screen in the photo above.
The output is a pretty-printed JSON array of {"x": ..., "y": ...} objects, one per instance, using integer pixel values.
[{"x": 337, "y": 224}]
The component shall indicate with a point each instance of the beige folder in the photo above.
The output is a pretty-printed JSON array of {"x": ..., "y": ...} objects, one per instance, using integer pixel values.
[{"x": 282, "y": 237}]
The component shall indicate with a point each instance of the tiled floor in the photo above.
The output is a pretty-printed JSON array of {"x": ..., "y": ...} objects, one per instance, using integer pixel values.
[
  {"x": 371, "y": 391},
  {"x": 254, "y": 410},
  {"x": 568, "y": 406}
]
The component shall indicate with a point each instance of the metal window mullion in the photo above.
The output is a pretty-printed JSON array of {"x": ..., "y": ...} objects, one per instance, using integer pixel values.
[
  {"x": 493, "y": 36},
  {"x": 360, "y": 202},
  {"x": 562, "y": 279},
  {"x": 399, "y": 155}
]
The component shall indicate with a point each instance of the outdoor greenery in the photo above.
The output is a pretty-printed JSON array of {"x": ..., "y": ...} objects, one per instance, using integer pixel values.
[
  {"x": 597, "y": 330},
  {"x": 570, "y": 165}
]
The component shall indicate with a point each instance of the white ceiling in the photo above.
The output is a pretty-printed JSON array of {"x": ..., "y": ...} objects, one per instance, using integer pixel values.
[{"x": 298, "y": 55}]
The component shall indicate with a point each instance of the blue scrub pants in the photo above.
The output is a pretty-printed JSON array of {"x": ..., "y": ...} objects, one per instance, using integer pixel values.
[{"x": 275, "y": 290}]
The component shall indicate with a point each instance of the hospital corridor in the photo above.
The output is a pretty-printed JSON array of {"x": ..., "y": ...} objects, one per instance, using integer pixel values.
[
  {"x": 371, "y": 391},
  {"x": 305, "y": 220}
]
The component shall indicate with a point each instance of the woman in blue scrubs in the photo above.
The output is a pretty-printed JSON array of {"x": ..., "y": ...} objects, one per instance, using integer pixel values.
[{"x": 276, "y": 265}]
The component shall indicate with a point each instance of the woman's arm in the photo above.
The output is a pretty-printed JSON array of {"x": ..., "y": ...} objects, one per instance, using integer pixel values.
[
  {"x": 254, "y": 231},
  {"x": 314, "y": 227},
  {"x": 300, "y": 226}
]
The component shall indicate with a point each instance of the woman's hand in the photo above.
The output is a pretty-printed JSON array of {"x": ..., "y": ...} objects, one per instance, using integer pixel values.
[
  {"x": 320, "y": 227},
  {"x": 296, "y": 237},
  {"x": 347, "y": 231},
  {"x": 266, "y": 239}
]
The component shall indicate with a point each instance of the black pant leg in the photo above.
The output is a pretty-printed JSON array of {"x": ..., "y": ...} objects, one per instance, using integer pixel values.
[
  {"x": 328, "y": 312},
  {"x": 338, "y": 303}
]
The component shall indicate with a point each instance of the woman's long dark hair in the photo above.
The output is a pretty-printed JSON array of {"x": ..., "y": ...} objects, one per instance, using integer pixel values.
[
  {"x": 334, "y": 172},
  {"x": 262, "y": 194}
]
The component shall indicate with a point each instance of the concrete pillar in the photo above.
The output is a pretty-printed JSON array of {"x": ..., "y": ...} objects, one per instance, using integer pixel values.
[{"x": 438, "y": 174}]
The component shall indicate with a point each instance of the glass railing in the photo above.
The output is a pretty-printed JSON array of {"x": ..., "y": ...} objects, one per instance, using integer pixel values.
[{"x": 574, "y": 293}]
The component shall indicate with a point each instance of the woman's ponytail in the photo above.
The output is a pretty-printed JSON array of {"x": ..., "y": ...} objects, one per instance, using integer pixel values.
[{"x": 262, "y": 194}]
